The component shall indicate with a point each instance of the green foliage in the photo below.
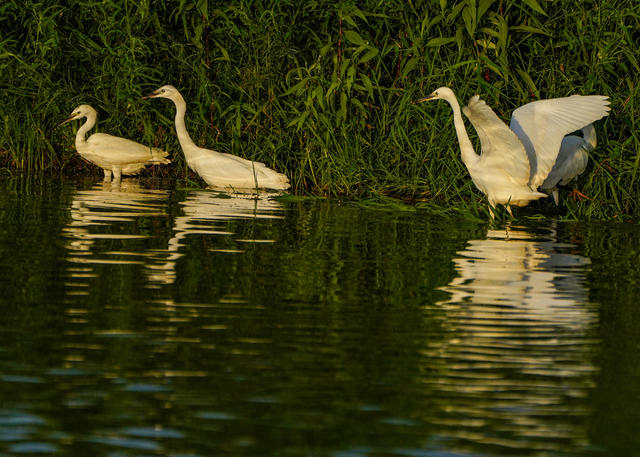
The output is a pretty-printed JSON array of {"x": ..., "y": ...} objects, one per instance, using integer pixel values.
[{"x": 321, "y": 90}]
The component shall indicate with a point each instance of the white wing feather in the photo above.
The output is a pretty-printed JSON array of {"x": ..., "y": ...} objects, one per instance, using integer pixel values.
[
  {"x": 541, "y": 126},
  {"x": 121, "y": 151},
  {"x": 226, "y": 170},
  {"x": 500, "y": 146}
]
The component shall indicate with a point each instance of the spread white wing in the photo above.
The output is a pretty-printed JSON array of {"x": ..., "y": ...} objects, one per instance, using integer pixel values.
[
  {"x": 541, "y": 126},
  {"x": 500, "y": 146}
]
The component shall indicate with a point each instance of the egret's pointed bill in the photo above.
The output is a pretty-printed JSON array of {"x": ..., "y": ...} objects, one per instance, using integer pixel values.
[
  {"x": 420, "y": 100},
  {"x": 67, "y": 120},
  {"x": 150, "y": 95}
]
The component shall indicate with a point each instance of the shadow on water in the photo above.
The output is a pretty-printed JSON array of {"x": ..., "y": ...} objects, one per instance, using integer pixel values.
[{"x": 147, "y": 320}]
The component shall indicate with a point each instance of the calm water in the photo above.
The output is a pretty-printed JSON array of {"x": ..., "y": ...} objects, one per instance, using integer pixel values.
[{"x": 146, "y": 320}]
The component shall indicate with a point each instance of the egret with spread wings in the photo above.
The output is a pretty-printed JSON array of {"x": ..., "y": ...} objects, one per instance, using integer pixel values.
[
  {"x": 113, "y": 154},
  {"x": 517, "y": 159}
]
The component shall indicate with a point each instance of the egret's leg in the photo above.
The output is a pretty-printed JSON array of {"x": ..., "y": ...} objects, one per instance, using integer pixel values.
[
  {"x": 577, "y": 195},
  {"x": 117, "y": 173},
  {"x": 509, "y": 210},
  {"x": 555, "y": 194},
  {"x": 492, "y": 206},
  {"x": 107, "y": 175}
]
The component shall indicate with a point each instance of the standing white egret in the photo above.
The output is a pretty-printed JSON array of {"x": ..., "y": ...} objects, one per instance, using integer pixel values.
[
  {"x": 111, "y": 153},
  {"x": 516, "y": 160},
  {"x": 219, "y": 169},
  {"x": 572, "y": 159}
]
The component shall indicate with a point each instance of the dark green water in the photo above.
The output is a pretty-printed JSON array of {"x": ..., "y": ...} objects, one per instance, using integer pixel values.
[{"x": 151, "y": 321}]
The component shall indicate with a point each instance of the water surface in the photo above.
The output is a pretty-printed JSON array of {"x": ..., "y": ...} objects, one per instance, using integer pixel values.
[{"x": 148, "y": 320}]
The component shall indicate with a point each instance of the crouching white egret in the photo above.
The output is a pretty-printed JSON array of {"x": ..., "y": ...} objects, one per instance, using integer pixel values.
[
  {"x": 111, "y": 153},
  {"x": 516, "y": 160},
  {"x": 219, "y": 169},
  {"x": 572, "y": 160}
]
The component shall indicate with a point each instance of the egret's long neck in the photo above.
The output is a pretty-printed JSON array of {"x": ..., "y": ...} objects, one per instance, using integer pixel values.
[
  {"x": 589, "y": 133},
  {"x": 84, "y": 128},
  {"x": 188, "y": 146},
  {"x": 469, "y": 156}
]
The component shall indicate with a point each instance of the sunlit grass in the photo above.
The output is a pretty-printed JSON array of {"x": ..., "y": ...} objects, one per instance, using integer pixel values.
[{"x": 322, "y": 90}]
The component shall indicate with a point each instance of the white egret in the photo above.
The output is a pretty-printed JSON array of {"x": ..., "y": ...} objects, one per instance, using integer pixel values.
[
  {"x": 219, "y": 169},
  {"x": 572, "y": 160},
  {"x": 111, "y": 153},
  {"x": 516, "y": 160}
]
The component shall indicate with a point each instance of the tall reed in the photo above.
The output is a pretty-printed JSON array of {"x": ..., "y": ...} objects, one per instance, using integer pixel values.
[{"x": 321, "y": 90}]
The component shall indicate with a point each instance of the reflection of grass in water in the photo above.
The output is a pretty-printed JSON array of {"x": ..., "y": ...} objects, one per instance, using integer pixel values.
[
  {"x": 321, "y": 91},
  {"x": 284, "y": 198}
]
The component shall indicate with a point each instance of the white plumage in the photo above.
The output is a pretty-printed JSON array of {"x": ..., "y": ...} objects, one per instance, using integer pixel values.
[
  {"x": 111, "y": 153},
  {"x": 516, "y": 160},
  {"x": 572, "y": 160},
  {"x": 219, "y": 169}
]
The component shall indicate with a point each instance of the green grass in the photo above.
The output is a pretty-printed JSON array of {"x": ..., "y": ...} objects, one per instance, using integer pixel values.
[{"x": 322, "y": 90}]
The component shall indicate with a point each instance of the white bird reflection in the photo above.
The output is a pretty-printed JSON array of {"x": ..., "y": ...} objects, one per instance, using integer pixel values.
[
  {"x": 529, "y": 273},
  {"x": 205, "y": 213},
  {"x": 111, "y": 211},
  {"x": 104, "y": 205},
  {"x": 520, "y": 336}
]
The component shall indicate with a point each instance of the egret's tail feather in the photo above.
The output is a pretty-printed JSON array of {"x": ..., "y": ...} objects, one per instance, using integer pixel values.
[
  {"x": 272, "y": 179},
  {"x": 159, "y": 156},
  {"x": 283, "y": 181}
]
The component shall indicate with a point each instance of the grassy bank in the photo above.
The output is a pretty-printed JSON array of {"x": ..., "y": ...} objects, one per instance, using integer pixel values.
[{"x": 321, "y": 90}]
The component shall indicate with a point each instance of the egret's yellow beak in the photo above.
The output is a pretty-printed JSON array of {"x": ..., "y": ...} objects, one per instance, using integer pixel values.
[
  {"x": 420, "y": 100},
  {"x": 151, "y": 95},
  {"x": 73, "y": 117}
]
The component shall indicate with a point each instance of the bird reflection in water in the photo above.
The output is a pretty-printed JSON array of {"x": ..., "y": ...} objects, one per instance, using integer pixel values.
[
  {"x": 519, "y": 336},
  {"x": 114, "y": 211},
  {"x": 529, "y": 275},
  {"x": 208, "y": 213},
  {"x": 95, "y": 213}
]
